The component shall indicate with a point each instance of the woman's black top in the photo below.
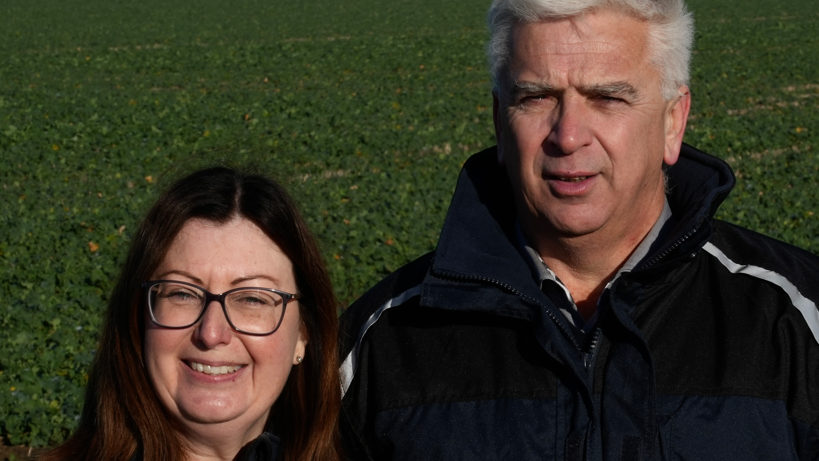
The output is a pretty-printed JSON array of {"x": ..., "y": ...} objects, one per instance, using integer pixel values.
[{"x": 263, "y": 448}]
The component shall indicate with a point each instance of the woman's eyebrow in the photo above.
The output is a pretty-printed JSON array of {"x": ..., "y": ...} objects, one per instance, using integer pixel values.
[
  {"x": 239, "y": 280},
  {"x": 182, "y": 273}
]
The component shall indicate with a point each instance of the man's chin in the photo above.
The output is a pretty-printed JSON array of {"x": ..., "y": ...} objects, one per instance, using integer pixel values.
[
  {"x": 575, "y": 230},
  {"x": 564, "y": 226}
]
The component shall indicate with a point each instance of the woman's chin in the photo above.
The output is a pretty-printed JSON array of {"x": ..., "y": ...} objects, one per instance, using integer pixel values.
[{"x": 210, "y": 409}]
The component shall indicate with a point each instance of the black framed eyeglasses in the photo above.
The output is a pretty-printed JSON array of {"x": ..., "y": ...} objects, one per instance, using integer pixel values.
[{"x": 251, "y": 310}]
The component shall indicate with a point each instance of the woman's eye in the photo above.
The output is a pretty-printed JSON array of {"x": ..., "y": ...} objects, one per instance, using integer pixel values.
[
  {"x": 180, "y": 296},
  {"x": 253, "y": 301}
]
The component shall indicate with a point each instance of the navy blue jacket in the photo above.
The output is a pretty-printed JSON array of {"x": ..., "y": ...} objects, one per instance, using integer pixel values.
[{"x": 708, "y": 349}]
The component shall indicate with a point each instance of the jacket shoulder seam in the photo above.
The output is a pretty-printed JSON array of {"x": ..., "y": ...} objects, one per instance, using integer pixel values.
[
  {"x": 349, "y": 364},
  {"x": 803, "y": 304}
]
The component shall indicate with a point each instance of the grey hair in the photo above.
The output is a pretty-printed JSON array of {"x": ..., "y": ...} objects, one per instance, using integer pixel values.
[{"x": 671, "y": 31}]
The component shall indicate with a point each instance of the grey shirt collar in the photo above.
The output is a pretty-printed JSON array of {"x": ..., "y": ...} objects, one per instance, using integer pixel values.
[{"x": 542, "y": 273}]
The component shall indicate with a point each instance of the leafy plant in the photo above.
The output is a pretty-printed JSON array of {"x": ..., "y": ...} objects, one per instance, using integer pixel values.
[{"x": 365, "y": 109}]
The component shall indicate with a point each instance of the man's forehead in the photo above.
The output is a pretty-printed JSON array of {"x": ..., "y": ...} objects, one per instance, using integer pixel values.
[
  {"x": 563, "y": 50},
  {"x": 602, "y": 31},
  {"x": 599, "y": 47}
]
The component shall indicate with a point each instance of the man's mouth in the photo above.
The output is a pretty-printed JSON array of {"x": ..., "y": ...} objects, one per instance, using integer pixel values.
[
  {"x": 209, "y": 370},
  {"x": 572, "y": 178}
]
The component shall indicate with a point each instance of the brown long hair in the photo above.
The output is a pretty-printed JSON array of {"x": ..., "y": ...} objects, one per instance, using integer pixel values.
[{"x": 122, "y": 415}]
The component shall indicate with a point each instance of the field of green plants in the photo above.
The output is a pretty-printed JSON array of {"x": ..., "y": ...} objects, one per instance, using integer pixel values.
[{"x": 365, "y": 109}]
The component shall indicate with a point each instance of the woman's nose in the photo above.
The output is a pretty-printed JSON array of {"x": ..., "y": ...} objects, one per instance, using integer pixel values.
[{"x": 213, "y": 328}]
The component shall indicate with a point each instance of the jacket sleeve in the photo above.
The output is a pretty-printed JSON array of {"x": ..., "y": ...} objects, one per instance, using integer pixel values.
[{"x": 401, "y": 288}]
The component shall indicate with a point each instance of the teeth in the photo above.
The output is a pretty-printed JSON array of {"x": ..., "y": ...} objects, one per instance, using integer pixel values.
[
  {"x": 572, "y": 179},
  {"x": 209, "y": 370}
]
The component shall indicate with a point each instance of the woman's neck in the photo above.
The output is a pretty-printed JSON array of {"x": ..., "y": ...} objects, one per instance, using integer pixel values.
[{"x": 208, "y": 443}]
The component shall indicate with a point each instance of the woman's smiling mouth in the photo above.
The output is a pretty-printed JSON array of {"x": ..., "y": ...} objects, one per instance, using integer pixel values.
[{"x": 213, "y": 370}]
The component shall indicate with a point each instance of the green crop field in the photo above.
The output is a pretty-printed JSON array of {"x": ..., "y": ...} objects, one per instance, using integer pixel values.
[{"x": 365, "y": 109}]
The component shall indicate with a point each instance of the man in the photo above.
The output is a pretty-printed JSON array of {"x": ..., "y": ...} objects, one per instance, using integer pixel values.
[{"x": 582, "y": 303}]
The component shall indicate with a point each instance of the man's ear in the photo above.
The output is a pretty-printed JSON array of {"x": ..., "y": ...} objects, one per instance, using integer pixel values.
[
  {"x": 676, "y": 118},
  {"x": 498, "y": 125}
]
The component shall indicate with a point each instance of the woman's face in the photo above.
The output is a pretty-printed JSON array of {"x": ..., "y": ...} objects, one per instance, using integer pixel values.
[{"x": 220, "y": 257}]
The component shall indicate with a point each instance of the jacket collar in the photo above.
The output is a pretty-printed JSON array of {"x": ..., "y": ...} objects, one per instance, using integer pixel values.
[{"x": 478, "y": 243}]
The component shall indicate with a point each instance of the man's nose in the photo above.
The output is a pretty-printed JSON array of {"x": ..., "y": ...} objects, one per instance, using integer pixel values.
[
  {"x": 572, "y": 128},
  {"x": 213, "y": 328}
]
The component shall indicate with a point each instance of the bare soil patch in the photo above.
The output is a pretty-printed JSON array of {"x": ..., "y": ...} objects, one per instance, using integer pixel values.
[{"x": 19, "y": 452}]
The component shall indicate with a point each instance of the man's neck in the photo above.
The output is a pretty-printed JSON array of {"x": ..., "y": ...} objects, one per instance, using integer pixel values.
[
  {"x": 586, "y": 263},
  {"x": 585, "y": 274}
]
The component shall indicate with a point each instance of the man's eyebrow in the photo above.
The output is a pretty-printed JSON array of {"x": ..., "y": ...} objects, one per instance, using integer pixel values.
[
  {"x": 602, "y": 89},
  {"x": 611, "y": 89},
  {"x": 532, "y": 88}
]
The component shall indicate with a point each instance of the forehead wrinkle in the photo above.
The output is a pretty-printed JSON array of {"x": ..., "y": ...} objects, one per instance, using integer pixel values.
[
  {"x": 584, "y": 47},
  {"x": 564, "y": 47}
]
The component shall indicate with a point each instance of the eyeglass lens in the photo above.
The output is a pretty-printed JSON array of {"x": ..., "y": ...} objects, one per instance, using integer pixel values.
[{"x": 251, "y": 310}]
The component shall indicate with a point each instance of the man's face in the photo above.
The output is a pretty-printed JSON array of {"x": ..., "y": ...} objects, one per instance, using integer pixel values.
[{"x": 583, "y": 129}]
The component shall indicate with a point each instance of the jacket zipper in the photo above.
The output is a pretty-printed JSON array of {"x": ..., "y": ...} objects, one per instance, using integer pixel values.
[
  {"x": 591, "y": 351},
  {"x": 498, "y": 283},
  {"x": 670, "y": 249}
]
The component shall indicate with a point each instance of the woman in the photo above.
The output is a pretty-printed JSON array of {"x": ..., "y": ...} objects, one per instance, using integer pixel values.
[{"x": 182, "y": 372}]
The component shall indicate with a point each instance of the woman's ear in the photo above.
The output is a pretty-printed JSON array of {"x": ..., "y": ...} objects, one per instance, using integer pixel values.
[{"x": 301, "y": 344}]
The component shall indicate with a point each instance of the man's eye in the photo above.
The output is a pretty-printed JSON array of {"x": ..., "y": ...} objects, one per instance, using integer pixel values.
[
  {"x": 609, "y": 99},
  {"x": 534, "y": 98}
]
